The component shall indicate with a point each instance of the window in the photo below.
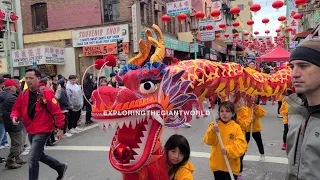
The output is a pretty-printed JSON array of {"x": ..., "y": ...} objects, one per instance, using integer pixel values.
[
  {"x": 148, "y": 11},
  {"x": 156, "y": 18},
  {"x": 39, "y": 17},
  {"x": 111, "y": 10},
  {"x": 241, "y": 6},
  {"x": 142, "y": 12}
]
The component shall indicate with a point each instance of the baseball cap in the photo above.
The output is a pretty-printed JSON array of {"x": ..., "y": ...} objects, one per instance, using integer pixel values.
[{"x": 11, "y": 82}]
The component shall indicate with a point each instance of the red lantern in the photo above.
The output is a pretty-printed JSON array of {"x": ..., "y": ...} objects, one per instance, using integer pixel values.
[
  {"x": 165, "y": 18},
  {"x": 265, "y": 21},
  {"x": 209, "y": 27},
  {"x": 278, "y": 30},
  {"x": 235, "y": 24},
  {"x": 235, "y": 11},
  {"x": 215, "y": 13},
  {"x": 289, "y": 29},
  {"x": 250, "y": 22},
  {"x": 282, "y": 19},
  {"x": 13, "y": 17},
  {"x": 277, "y": 4},
  {"x": 267, "y": 32},
  {"x": 200, "y": 15},
  {"x": 246, "y": 33},
  {"x": 260, "y": 39},
  {"x": 226, "y": 35},
  {"x": 255, "y": 8},
  {"x": 297, "y": 16},
  {"x": 217, "y": 35},
  {"x": 182, "y": 17},
  {"x": 256, "y": 32},
  {"x": 222, "y": 26},
  {"x": 235, "y": 34},
  {"x": 2, "y": 15},
  {"x": 300, "y": 3}
]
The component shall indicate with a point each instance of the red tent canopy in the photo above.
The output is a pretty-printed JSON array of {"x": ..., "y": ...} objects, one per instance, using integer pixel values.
[{"x": 278, "y": 54}]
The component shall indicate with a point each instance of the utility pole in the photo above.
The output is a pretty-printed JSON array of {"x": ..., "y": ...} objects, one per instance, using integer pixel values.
[{"x": 9, "y": 59}]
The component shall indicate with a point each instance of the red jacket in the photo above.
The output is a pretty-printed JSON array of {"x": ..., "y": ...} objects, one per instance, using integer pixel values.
[{"x": 43, "y": 121}]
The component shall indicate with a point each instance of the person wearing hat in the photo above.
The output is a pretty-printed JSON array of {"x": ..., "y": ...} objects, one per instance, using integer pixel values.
[
  {"x": 7, "y": 99},
  {"x": 113, "y": 81},
  {"x": 303, "y": 138}
]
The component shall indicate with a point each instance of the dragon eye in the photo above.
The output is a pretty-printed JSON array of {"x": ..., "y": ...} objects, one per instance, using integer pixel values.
[{"x": 148, "y": 87}]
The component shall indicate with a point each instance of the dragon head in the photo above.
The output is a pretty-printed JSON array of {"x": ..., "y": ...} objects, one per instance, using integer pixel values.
[{"x": 151, "y": 100}]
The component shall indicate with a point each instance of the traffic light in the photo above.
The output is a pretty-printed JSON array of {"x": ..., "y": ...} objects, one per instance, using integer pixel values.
[{"x": 119, "y": 45}]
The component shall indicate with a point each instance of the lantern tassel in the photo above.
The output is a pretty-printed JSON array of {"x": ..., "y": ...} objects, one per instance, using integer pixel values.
[{"x": 300, "y": 6}]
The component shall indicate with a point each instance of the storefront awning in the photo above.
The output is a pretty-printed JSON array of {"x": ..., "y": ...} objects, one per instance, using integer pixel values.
[
  {"x": 302, "y": 34},
  {"x": 38, "y": 55}
]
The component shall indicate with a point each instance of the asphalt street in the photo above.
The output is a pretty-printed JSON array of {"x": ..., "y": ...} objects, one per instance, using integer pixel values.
[{"x": 87, "y": 153}]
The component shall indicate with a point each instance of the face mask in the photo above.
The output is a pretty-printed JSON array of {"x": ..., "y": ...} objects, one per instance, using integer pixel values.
[{"x": 90, "y": 77}]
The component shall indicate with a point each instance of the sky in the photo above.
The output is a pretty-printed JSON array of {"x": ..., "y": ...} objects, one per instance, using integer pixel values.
[{"x": 267, "y": 11}]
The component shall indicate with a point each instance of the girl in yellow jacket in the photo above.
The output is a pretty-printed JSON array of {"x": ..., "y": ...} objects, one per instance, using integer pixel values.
[
  {"x": 258, "y": 112},
  {"x": 178, "y": 152},
  {"x": 233, "y": 140},
  {"x": 284, "y": 112}
]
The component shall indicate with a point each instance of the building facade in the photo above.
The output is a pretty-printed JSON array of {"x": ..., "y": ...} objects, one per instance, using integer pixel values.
[{"x": 91, "y": 29}]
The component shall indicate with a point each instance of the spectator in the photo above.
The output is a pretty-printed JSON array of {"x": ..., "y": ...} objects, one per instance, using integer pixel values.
[
  {"x": 113, "y": 81},
  {"x": 88, "y": 89},
  {"x": 37, "y": 118},
  {"x": 7, "y": 99}
]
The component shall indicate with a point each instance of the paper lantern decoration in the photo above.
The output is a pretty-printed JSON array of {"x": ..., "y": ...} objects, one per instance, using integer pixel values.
[
  {"x": 165, "y": 18},
  {"x": 277, "y": 4},
  {"x": 250, "y": 22},
  {"x": 289, "y": 29},
  {"x": 217, "y": 35},
  {"x": 267, "y": 32},
  {"x": 209, "y": 27},
  {"x": 235, "y": 11},
  {"x": 226, "y": 35},
  {"x": 222, "y": 26},
  {"x": 215, "y": 13},
  {"x": 265, "y": 21},
  {"x": 297, "y": 16},
  {"x": 246, "y": 33},
  {"x": 235, "y": 24},
  {"x": 235, "y": 34},
  {"x": 282, "y": 19},
  {"x": 200, "y": 15},
  {"x": 256, "y": 32},
  {"x": 300, "y": 3},
  {"x": 278, "y": 30},
  {"x": 182, "y": 17},
  {"x": 255, "y": 8},
  {"x": 13, "y": 17}
]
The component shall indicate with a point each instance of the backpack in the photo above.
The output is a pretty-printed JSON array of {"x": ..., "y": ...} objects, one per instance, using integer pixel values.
[{"x": 42, "y": 101}]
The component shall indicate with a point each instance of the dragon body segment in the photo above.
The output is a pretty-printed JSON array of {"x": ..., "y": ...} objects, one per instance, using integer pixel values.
[{"x": 136, "y": 150}]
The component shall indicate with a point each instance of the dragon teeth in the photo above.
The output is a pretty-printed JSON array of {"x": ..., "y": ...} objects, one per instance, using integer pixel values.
[
  {"x": 120, "y": 123},
  {"x": 134, "y": 123},
  {"x": 127, "y": 123},
  {"x": 113, "y": 124}
]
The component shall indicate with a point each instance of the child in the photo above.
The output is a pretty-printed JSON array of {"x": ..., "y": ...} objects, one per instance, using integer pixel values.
[
  {"x": 178, "y": 152},
  {"x": 284, "y": 113},
  {"x": 259, "y": 112},
  {"x": 234, "y": 142},
  {"x": 243, "y": 119}
]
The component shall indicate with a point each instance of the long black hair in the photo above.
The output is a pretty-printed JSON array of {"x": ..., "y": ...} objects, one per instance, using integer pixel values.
[
  {"x": 182, "y": 143},
  {"x": 229, "y": 106}
]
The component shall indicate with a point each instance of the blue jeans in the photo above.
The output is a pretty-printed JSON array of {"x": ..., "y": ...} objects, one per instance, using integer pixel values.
[
  {"x": 36, "y": 154},
  {"x": 3, "y": 135}
]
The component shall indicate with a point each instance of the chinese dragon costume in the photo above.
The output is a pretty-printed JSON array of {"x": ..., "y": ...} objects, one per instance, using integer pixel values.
[{"x": 136, "y": 150}]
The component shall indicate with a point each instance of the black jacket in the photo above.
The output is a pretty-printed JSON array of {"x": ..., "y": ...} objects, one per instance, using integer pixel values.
[
  {"x": 7, "y": 99},
  {"x": 62, "y": 96},
  {"x": 88, "y": 85}
]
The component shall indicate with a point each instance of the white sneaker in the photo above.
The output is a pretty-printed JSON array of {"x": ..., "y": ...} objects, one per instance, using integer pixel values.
[
  {"x": 6, "y": 145},
  {"x": 280, "y": 116},
  {"x": 262, "y": 158},
  {"x": 2, "y": 147},
  {"x": 68, "y": 134},
  {"x": 73, "y": 131},
  {"x": 186, "y": 125},
  {"x": 78, "y": 129}
]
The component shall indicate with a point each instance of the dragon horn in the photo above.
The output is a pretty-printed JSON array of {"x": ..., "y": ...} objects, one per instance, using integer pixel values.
[
  {"x": 161, "y": 50},
  {"x": 145, "y": 47}
]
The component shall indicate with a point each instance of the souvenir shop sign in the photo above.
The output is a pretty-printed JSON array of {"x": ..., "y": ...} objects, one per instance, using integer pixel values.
[
  {"x": 206, "y": 35},
  {"x": 104, "y": 49},
  {"x": 38, "y": 55},
  {"x": 178, "y": 7},
  {"x": 100, "y": 35}
]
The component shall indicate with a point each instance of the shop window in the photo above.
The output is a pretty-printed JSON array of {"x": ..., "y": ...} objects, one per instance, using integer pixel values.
[
  {"x": 111, "y": 10},
  {"x": 156, "y": 17},
  {"x": 39, "y": 17},
  {"x": 149, "y": 12}
]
